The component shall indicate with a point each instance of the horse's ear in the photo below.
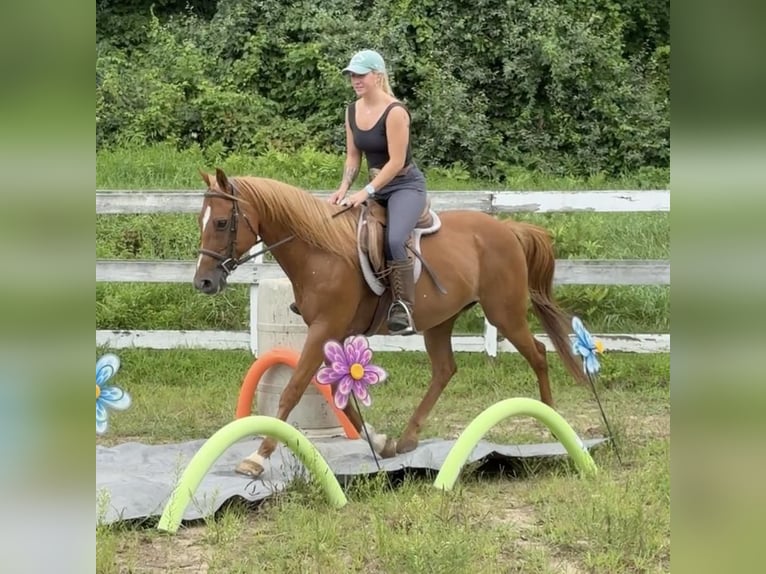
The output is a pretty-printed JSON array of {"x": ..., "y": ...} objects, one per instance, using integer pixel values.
[
  {"x": 222, "y": 180},
  {"x": 205, "y": 177}
]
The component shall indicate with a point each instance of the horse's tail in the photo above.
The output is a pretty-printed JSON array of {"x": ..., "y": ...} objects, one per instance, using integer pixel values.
[{"x": 541, "y": 262}]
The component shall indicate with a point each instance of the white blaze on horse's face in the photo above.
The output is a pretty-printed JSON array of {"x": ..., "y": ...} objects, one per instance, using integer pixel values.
[
  {"x": 205, "y": 221},
  {"x": 206, "y": 218}
]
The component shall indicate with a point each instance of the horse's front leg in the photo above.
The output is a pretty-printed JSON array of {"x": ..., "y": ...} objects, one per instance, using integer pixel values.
[{"x": 310, "y": 360}]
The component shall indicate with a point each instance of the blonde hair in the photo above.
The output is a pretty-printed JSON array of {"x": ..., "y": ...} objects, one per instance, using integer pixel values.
[{"x": 385, "y": 85}]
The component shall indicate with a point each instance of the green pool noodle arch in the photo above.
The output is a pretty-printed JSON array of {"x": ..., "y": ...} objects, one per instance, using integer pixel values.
[
  {"x": 238, "y": 429},
  {"x": 479, "y": 426}
]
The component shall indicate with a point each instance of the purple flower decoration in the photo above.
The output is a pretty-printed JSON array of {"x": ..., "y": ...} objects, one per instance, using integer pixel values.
[{"x": 349, "y": 366}]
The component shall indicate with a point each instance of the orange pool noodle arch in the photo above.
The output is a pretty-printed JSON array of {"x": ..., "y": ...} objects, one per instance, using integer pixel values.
[{"x": 279, "y": 356}]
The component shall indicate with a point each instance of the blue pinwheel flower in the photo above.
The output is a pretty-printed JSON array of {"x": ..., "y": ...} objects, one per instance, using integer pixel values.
[
  {"x": 587, "y": 347},
  {"x": 108, "y": 396}
]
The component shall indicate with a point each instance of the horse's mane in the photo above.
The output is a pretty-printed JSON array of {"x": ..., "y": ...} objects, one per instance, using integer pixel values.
[{"x": 306, "y": 216}]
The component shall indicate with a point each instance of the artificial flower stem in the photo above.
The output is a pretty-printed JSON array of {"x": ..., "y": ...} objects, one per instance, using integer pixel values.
[
  {"x": 366, "y": 433},
  {"x": 603, "y": 417}
]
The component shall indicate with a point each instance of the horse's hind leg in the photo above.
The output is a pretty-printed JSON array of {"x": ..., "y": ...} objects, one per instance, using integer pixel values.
[
  {"x": 509, "y": 315},
  {"x": 439, "y": 347}
]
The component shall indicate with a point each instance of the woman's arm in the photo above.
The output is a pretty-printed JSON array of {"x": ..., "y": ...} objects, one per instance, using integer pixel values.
[{"x": 353, "y": 160}]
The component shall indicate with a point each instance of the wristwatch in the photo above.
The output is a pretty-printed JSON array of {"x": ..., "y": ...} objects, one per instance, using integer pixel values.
[{"x": 370, "y": 190}]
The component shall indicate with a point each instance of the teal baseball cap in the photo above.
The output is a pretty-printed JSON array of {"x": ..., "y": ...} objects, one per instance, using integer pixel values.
[{"x": 364, "y": 62}]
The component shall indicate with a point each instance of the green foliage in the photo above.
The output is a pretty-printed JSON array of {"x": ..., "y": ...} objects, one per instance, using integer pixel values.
[
  {"x": 124, "y": 23},
  {"x": 647, "y": 25},
  {"x": 560, "y": 87}
]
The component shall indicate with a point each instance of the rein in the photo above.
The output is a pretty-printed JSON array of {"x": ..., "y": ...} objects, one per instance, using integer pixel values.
[{"x": 229, "y": 262}]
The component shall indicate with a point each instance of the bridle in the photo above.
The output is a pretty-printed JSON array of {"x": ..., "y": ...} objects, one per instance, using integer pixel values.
[{"x": 229, "y": 262}]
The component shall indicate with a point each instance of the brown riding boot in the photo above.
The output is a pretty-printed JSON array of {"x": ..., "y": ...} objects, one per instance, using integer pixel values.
[{"x": 403, "y": 289}]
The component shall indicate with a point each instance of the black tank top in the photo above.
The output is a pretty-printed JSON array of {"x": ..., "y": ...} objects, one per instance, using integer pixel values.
[{"x": 373, "y": 142}]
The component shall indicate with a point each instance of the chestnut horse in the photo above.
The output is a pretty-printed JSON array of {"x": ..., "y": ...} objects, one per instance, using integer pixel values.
[{"x": 477, "y": 259}]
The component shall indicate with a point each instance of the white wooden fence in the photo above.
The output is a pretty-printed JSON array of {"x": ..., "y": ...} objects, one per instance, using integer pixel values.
[{"x": 568, "y": 272}]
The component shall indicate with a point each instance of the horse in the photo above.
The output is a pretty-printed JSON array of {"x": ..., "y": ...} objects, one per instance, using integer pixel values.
[{"x": 474, "y": 258}]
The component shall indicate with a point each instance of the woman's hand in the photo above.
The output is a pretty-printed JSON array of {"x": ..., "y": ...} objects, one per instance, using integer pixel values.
[
  {"x": 356, "y": 199},
  {"x": 336, "y": 197}
]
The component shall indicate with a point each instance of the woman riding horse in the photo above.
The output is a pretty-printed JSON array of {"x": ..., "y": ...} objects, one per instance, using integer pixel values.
[{"x": 378, "y": 127}]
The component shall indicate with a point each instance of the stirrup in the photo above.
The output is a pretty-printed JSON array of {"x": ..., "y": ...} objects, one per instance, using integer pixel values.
[{"x": 409, "y": 329}]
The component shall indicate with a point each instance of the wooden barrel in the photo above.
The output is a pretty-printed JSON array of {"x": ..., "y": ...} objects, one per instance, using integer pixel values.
[{"x": 278, "y": 327}]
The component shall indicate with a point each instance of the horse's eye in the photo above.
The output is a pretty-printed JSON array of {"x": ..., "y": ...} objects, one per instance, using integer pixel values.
[{"x": 220, "y": 224}]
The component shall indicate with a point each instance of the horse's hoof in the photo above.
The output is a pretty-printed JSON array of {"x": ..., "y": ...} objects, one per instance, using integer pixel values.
[
  {"x": 379, "y": 442},
  {"x": 404, "y": 445},
  {"x": 390, "y": 449},
  {"x": 249, "y": 468}
]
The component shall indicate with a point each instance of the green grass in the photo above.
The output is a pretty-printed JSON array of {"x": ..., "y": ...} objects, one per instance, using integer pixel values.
[
  {"x": 609, "y": 308},
  {"x": 605, "y": 309},
  {"x": 546, "y": 520},
  {"x": 576, "y": 235},
  {"x": 163, "y": 166}
]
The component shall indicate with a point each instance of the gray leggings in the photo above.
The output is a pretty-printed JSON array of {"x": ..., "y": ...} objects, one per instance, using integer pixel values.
[{"x": 404, "y": 198}]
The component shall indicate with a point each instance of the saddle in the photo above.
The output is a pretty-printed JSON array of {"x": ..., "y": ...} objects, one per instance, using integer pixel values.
[{"x": 371, "y": 234}]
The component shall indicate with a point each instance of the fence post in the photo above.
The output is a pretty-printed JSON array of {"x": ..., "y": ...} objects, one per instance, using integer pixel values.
[
  {"x": 490, "y": 332},
  {"x": 490, "y": 339},
  {"x": 254, "y": 310}
]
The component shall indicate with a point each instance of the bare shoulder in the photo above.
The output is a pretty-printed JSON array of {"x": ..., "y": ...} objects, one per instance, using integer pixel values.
[{"x": 398, "y": 114}]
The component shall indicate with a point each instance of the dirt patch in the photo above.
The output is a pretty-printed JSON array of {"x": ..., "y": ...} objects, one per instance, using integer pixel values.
[
  {"x": 524, "y": 518},
  {"x": 155, "y": 554},
  {"x": 648, "y": 427},
  {"x": 563, "y": 566}
]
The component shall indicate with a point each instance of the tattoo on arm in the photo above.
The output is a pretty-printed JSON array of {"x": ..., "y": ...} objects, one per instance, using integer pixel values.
[{"x": 349, "y": 175}]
